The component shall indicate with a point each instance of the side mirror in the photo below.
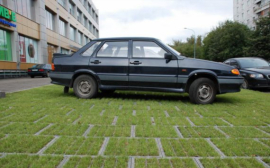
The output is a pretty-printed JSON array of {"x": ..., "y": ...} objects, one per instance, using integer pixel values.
[
  {"x": 235, "y": 66},
  {"x": 168, "y": 56}
]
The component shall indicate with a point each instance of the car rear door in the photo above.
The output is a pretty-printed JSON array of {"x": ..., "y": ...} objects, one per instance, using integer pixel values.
[
  {"x": 111, "y": 63},
  {"x": 149, "y": 68}
]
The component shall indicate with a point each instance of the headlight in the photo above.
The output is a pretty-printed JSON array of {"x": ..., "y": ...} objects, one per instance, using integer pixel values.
[{"x": 260, "y": 76}]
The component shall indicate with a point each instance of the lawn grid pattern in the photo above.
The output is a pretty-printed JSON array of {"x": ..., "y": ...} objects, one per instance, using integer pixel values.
[{"x": 43, "y": 127}]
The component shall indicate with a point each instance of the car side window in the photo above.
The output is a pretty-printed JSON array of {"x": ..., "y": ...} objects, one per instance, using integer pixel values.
[
  {"x": 91, "y": 49},
  {"x": 147, "y": 49},
  {"x": 234, "y": 64},
  {"x": 114, "y": 49}
]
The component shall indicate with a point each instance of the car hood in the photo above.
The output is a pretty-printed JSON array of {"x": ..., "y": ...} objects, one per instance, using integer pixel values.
[
  {"x": 262, "y": 70},
  {"x": 203, "y": 64}
]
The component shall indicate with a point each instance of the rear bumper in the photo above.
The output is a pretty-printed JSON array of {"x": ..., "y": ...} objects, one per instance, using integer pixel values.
[
  {"x": 229, "y": 85},
  {"x": 37, "y": 73},
  {"x": 61, "y": 78}
]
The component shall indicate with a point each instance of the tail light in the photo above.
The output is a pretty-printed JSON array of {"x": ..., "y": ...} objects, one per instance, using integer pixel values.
[
  {"x": 41, "y": 70},
  {"x": 29, "y": 70},
  {"x": 53, "y": 68}
]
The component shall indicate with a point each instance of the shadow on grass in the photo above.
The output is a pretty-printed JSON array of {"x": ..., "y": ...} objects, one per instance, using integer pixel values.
[{"x": 153, "y": 96}]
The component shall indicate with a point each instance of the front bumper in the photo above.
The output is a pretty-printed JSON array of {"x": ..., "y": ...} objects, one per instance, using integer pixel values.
[
  {"x": 228, "y": 85},
  {"x": 258, "y": 83}
]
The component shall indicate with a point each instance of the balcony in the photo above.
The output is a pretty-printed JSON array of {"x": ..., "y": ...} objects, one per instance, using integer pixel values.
[{"x": 261, "y": 7}]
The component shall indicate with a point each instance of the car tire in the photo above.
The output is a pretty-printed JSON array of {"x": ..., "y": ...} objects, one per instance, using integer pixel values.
[
  {"x": 32, "y": 76},
  {"x": 107, "y": 91},
  {"x": 66, "y": 89},
  {"x": 245, "y": 84},
  {"x": 202, "y": 91},
  {"x": 85, "y": 87}
]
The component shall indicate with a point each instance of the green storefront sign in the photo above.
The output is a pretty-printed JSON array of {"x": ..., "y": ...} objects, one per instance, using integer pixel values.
[{"x": 7, "y": 14}]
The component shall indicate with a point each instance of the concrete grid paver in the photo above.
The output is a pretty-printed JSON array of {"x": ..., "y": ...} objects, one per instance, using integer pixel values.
[{"x": 110, "y": 108}]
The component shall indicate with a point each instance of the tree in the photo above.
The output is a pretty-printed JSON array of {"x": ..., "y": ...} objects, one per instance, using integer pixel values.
[
  {"x": 229, "y": 39},
  {"x": 187, "y": 48},
  {"x": 259, "y": 45}
]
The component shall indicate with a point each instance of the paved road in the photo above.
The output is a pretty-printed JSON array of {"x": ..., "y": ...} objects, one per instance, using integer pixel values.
[{"x": 13, "y": 85}]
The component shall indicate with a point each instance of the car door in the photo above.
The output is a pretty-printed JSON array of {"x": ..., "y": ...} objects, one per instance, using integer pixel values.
[
  {"x": 149, "y": 68},
  {"x": 111, "y": 63}
]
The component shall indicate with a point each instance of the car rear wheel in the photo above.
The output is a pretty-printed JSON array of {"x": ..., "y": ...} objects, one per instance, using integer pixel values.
[
  {"x": 202, "y": 91},
  {"x": 85, "y": 87},
  {"x": 245, "y": 84}
]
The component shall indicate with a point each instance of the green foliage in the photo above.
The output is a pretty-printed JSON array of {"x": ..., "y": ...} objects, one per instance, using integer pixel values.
[
  {"x": 229, "y": 39},
  {"x": 259, "y": 45},
  {"x": 187, "y": 48}
]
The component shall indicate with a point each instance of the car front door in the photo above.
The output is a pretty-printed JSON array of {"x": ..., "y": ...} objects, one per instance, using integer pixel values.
[
  {"x": 111, "y": 63},
  {"x": 149, "y": 68}
]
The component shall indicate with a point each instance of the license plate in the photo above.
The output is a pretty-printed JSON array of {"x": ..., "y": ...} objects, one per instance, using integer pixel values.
[{"x": 34, "y": 70}]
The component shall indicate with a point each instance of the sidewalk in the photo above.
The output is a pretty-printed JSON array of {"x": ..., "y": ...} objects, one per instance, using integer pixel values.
[{"x": 18, "y": 84}]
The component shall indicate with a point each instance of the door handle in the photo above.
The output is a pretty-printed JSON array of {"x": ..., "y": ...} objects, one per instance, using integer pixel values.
[
  {"x": 136, "y": 62},
  {"x": 96, "y": 62}
]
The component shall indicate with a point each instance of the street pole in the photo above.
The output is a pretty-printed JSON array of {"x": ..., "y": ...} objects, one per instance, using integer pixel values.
[{"x": 194, "y": 41}]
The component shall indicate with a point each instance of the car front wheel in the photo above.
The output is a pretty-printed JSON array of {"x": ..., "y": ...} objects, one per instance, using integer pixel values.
[
  {"x": 245, "y": 84},
  {"x": 202, "y": 91},
  {"x": 85, "y": 87}
]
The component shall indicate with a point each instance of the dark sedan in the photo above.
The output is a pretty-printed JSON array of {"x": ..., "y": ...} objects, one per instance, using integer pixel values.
[
  {"x": 256, "y": 71},
  {"x": 141, "y": 63},
  {"x": 39, "y": 70}
]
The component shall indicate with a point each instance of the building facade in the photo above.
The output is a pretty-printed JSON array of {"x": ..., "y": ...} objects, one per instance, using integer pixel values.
[
  {"x": 32, "y": 30},
  {"x": 248, "y": 11}
]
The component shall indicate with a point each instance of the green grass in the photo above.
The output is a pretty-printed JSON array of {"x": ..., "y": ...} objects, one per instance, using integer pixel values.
[
  {"x": 22, "y": 128},
  {"x": 66, "y": 129},
  {"x": 200, "y": 132},
  {"x": 26, "y": 113},
  {"x": 231, "y": 163},
  {"x": 110, "y": 131},
  {"x": 164, "y": 163},
  {"x": 131, "y": 147},
  {"x": 155, "y": 131},
  {"x": 22, "y": 161},
  {"x": 98, "y": 162},
  {"x": 23, "y": 143},
  {"x": 267, "y": 161},
  {"x": 244, "y": 132},
  {"x": 241, "y": 147},
  {"x": 172, "y": 121},
  {"x": 208, "y": 121},
  {"x": 187, "y": 148},
  {"x": 76, "y": 146}
]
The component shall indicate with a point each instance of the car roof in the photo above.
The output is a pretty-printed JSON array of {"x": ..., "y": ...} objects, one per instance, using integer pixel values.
[{"x": 125, "y": 38}]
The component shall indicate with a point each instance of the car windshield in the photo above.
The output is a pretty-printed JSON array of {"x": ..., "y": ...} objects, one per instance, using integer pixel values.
[
  {"x": 175, "y": 52},
  {"x": 252, "y": 63}
]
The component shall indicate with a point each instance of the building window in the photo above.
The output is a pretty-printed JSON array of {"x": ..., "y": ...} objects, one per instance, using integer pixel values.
[
  {"x": 90, "y": 27},
  {"x": 5, "y": 46},
  {"x": 71, "y": 7},
  {"x": 49, "y": 20},
  {"x": 28, "y": 50},
  {"x": 94, "y": 31},
  {"x": 62, "y": 2},
  {"x": 85, "y": 21},
  {"x": 79, "y": 15},
  {"x": 64, "y": 51},
  {"x": 89, "y": 9},
  {"x": 93, "y": 13},
  {"x": 85, "y": 40},
  {"x": 72, "y": 33},
  {"x": 62, "y": 27},
  {"x": 80, "y": 38},
  {"x": 24, "y": 7}
]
